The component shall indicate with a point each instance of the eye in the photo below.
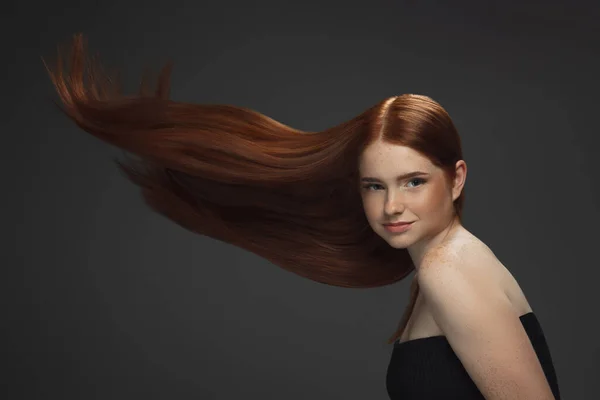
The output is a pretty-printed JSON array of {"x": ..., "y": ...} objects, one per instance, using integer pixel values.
[
  {"x": 370, "y": 185},
  {"x": 373, "y": 186},
  {"x": 420, "y": 180}
]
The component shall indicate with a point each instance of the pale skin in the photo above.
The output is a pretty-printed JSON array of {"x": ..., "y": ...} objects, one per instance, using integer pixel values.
[{"x": 470, "y": 307}]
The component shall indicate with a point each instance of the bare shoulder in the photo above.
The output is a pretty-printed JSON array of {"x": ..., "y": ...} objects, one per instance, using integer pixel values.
[
  {"x": 471, "y": 259},
  {"x": 465, "y": 255},
  {"x": 468, "y": 301},
  {"x": 455, "y": 280}
]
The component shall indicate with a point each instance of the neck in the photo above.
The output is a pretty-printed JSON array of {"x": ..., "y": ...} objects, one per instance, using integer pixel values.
[{"x": 420, "y": 250}]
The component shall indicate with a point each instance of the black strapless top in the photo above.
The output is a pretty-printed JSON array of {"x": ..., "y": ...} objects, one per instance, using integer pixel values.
[{"x": 427, "y": 368}]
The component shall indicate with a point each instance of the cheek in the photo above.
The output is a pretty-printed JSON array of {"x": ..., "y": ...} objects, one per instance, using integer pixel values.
[
  {"x": 372, "y": 207},
  {"x": 435, "y": 201}
]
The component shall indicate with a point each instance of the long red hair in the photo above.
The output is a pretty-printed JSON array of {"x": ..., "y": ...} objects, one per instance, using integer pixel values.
[{"x": 238, "y": 176}]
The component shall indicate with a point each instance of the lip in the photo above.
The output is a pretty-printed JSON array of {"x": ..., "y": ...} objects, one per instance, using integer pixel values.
[
  {"x": 399, "y": 223},
  {"x": 398, "y": 228}
]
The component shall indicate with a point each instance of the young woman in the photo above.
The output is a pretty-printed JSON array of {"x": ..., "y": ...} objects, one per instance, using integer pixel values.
[{"x": 359, "y": 205}]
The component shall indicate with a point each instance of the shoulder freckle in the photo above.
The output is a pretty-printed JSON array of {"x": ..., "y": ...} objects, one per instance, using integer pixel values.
[{"x": 443, "y": 255}]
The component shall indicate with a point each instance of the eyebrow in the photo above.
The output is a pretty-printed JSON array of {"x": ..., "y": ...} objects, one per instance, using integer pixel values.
[{"x": 399, "y": 177}]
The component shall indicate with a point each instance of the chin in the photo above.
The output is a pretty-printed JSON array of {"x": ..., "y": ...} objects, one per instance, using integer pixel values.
[
  {"x": 397, "y": 245},
  {"x": 397, "y": 242}
]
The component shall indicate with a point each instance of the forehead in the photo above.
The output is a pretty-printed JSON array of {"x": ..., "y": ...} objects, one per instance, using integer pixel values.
[{"x": 380, "y": 157}]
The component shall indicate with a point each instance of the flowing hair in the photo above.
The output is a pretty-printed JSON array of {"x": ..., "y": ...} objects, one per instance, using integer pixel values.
[{"x": 238, "y": 176}]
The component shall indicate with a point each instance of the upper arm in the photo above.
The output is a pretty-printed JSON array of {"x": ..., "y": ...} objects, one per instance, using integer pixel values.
[{"x": 484, "y": 331}]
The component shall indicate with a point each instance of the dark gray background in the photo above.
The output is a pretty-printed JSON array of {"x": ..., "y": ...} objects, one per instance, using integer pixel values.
[{"x": 106, "y": 300}]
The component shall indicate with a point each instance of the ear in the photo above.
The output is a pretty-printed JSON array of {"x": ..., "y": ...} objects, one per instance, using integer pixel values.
[{"x": 459, "y": 179}]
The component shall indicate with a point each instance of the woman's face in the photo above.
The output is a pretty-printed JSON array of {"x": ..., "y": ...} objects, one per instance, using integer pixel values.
[{"x": 425, "y": 197}]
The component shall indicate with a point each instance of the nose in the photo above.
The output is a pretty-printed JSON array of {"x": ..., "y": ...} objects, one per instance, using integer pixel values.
[{"x": 393, "y": 204}]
